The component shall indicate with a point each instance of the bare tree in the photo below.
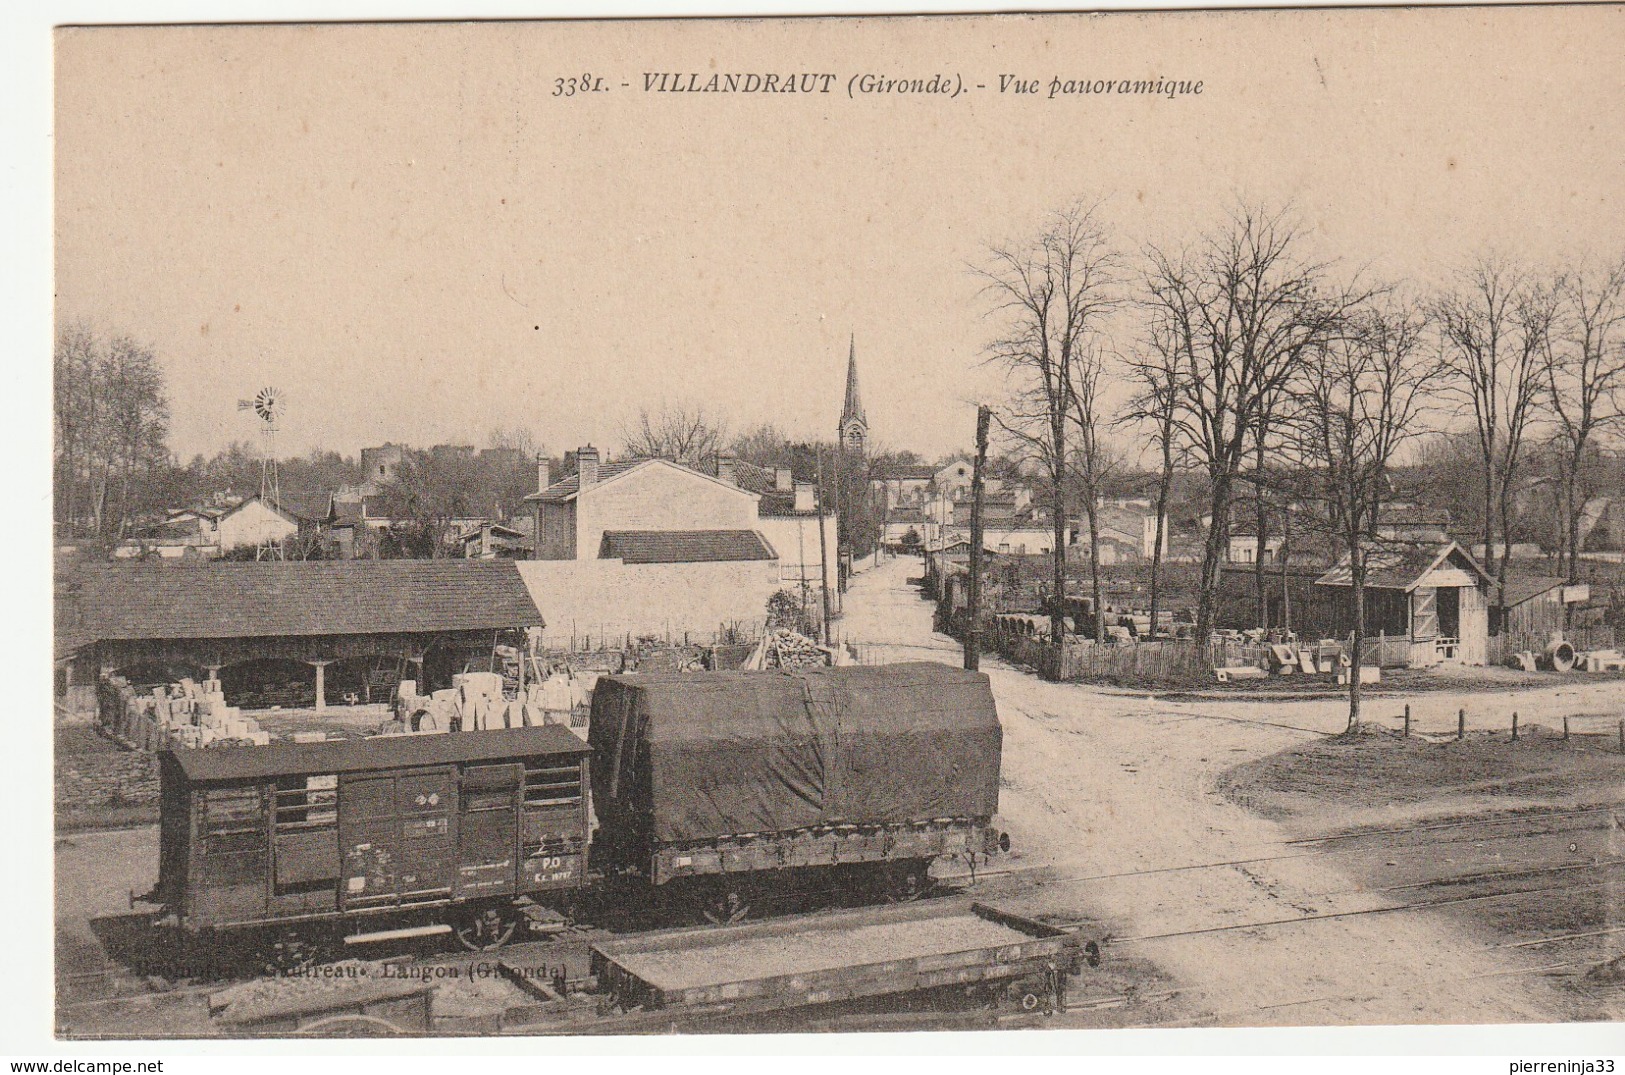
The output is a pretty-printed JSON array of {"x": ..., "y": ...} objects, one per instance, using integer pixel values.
[
  {"x": 1154, "y": 371},
  {"x": 1584, "y": 365},
  {"x": 1052, "y": 294},
  {"x": 1358, "y": 399},
  {"x": 1094, "y": 462},
  {"x": 683, "y": 433},
  {"x": 1240, "y": 308},
  {"x": 1495, "y": 323},
  {"x": 518, "y": 438},
  {"x": 112, "y": 426}
]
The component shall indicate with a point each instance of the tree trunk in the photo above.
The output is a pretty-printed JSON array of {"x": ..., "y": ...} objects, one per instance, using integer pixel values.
[
  {"x": 1357, "y": 649},
  {"x": 1489, "y": 510},
  {"x": 1506, "y": 542},
  {"x": 1094, "y": 572},
  {"x": 1058, "y": 509},
  {"x": 1286, "y": 588},
  {"x": 1261, "y": 519},
  {"x": 1162, "y": 522},
  {"x": 1213, "y": 553},
  {"x": 1572, "y": 511}
]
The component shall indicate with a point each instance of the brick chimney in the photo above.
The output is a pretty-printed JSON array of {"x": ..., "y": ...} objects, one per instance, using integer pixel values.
[
  {"x": 783, "y": 481},
  {"x": 806, "y": 496},
  {"x": 586, "y": 466},
  {"x": 725, "y": 469},
  {"x": 544, "y": 472}
]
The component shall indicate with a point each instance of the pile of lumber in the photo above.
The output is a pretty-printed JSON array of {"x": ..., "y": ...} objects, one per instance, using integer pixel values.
[{"x": 785, "y": 648}]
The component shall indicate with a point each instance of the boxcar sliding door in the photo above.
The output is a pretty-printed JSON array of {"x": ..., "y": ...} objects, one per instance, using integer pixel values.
[
  {"x": 230, "y": 884},
  {"x": 488, "y": 830},
  {"x": 396, "y": 836},
  {"x": 305, "y": 845}
]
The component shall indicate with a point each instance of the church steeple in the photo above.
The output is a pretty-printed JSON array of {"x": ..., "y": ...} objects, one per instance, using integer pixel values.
[{"x": 854, "y": 424}]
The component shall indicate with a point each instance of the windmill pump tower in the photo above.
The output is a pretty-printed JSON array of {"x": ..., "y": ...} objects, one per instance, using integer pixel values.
[{"x": 268, "y": 406}]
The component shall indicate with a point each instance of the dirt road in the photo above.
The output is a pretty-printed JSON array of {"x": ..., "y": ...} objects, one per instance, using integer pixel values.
[{"x": 1102, "y": 783}]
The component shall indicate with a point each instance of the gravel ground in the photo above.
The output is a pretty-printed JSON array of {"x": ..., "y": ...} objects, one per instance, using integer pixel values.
[{"x": 1103, "y": 783}]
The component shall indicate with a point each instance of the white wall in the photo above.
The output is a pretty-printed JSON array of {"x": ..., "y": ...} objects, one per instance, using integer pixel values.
[
  {"x": 795, "y": 539},
  {"x": 659, "y": 497},
  {"x": 610, "y": 598},
  {"x": 253, "y": 524}
]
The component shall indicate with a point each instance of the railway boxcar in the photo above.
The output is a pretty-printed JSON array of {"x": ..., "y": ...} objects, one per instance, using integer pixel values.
[
  {"x": 725, "y": 781},
  {"x": 469, "y": 830}
]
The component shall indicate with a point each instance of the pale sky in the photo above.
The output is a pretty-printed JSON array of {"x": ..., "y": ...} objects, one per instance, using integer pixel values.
[{"x": 402, "y": 228}]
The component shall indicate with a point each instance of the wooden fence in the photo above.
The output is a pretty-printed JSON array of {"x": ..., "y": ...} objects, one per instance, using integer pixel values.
[
  {"x": 1162, "y": 662},
  {"x": 1171, "y": 662}
]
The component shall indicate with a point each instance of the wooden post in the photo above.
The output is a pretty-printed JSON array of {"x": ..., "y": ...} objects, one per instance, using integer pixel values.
[
  {"x": 1622, "y": 737},
  {"x": 321, "y": 684},
  {"x": 823, "y": 550},
  {"x": 973, "y": 598},
  {"x": 1514, "y": 725},
  {"x": 1407, "y": 721},
  {"x": 1565, "y": 729},
  {"x": 1461, "y": 724}
]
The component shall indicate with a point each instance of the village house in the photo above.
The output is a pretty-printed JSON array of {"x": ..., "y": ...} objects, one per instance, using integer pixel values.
[
  {"x": 647, "y": 547},
  {"x": 903, "y": 486},
  {"x": 210, "y": 531}
]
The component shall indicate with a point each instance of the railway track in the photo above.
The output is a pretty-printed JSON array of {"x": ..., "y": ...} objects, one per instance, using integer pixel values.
[
  {"x": 1608, "y": 810},
  {"x": 1520, "y": 881}
]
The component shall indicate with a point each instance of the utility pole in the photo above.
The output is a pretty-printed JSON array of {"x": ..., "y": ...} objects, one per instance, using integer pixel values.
[
  {"x": 973, "y": 599},
  {"x": 823, "y": 547}
]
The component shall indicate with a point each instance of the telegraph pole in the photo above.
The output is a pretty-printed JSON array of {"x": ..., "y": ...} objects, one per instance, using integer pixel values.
[
  {"x": 823, "y": 549},
  {"x": 973, "y": 598}
]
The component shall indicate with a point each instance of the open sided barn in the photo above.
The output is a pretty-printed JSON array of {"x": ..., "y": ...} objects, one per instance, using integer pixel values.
[{"x": 293, "y": 634}]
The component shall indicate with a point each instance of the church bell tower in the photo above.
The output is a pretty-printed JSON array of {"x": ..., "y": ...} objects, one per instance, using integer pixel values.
[{"x": 854, "y": 429}]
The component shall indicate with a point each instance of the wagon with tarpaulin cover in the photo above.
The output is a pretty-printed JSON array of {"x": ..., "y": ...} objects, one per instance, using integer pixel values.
[
  {"x": 298, "y": 845},
  {"x": 727, "y": 788}
]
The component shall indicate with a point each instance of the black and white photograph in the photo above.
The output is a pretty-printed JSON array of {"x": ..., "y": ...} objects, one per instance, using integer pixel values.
[{"x": 1024, "y": 527}]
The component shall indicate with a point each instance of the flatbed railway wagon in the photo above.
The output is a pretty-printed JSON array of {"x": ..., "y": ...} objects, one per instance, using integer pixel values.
[
  {"x": 727, "y": 790},
  {"x": 287, "y": 849},
  {"x": 987, "y": 952}
]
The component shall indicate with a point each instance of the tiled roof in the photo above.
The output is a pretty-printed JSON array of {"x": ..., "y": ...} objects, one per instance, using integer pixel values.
[
  {"x": 306, "y": 507},
  {"x": 752, "y": 477},
  {"x": 684, "y": 546},
  {"x": 1400, "y": 565},
  {"x": 339, "y": 597},
  {"x": 908, "y": 472},
  {"x": 181, "y": 528},
  {"x": 566, "y": 488}
]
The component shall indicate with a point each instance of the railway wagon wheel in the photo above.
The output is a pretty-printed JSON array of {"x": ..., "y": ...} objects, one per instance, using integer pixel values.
[
  {"x": 485, "y": 929},
  {"x": 905, "y": 882},
  {"x": 292, "y": 951}
]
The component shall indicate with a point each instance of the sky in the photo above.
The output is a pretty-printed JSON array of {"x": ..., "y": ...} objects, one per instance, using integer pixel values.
[{"x": 406, "y": 230}]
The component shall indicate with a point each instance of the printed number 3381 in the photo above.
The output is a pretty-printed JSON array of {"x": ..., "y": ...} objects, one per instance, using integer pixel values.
[{"x": 584, "y": 83}]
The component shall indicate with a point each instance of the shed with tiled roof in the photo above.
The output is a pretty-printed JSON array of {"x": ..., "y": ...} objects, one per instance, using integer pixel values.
[{"x": 212, "y": 615}]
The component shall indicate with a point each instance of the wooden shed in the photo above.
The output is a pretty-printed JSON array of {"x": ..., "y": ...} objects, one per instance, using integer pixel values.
[{"x": 1433, "y": 595}]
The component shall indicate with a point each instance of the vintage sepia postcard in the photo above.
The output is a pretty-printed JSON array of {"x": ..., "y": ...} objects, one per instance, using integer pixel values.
[{"x": 959, "y": 523}]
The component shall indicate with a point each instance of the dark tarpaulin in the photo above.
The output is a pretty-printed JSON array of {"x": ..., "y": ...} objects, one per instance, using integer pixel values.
[{"x": 693, "y": 756}]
